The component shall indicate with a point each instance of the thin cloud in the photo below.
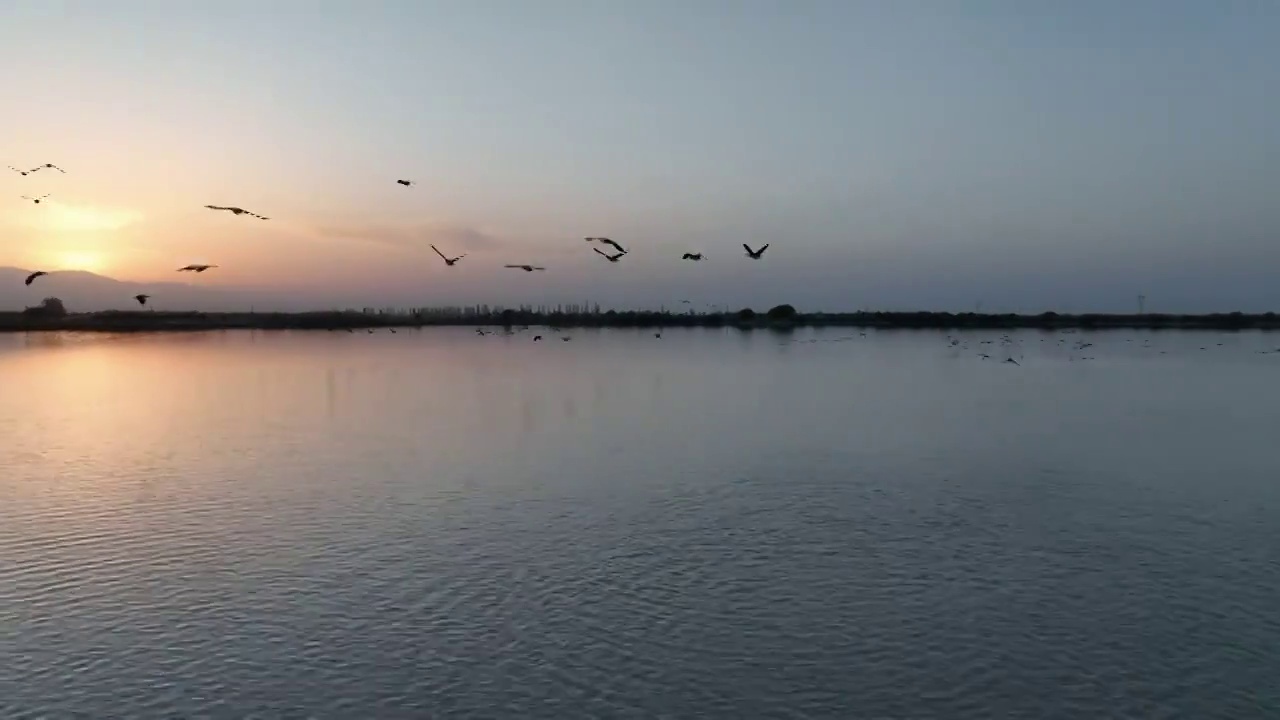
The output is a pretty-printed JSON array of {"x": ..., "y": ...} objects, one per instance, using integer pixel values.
[{"x": 419, "y": 237}]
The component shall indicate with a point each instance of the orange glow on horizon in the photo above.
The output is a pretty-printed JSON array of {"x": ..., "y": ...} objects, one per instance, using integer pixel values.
[
  {"x": 59, "y": 217},
  {"x": 87, "y": 260}
]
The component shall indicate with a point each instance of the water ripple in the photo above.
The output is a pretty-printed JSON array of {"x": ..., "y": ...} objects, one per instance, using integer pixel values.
[{"x": 877, "y": 532}]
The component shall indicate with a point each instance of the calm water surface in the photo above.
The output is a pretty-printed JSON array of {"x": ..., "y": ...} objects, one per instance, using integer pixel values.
[{"x": 439, "y": 524}]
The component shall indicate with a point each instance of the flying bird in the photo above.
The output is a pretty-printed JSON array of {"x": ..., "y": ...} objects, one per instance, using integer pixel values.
[
  {"x": 526, "y": 268},
  {"x": 237, "y": 211},
  {"x": 607, "y": 241},
  {"x": 692, "y": 256},
  {"x": 756, "y": 254},
  {"x": 31, "y": 278},
  {"x": 142, "y": 299},
  {"x": 196, "y": 268},
  {"x": 448, "y": 261},
  {"x": 35, "y": 200},
  {"x": 406, "y": 183},
  {"x": 46, "y": 165},
  {"x": 607, "y": 256}
]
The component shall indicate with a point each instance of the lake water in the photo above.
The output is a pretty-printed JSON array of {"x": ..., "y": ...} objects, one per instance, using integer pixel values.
[{"x": 440, "y": 524}]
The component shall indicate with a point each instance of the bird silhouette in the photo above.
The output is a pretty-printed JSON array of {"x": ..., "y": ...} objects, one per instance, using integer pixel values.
[
  {"x": 237, "y": 211},
  {"x": 526, "y": 268},
  {"x": 406, "y": 183},
  {"x": 607, "y": 241},
  {"x": 37, "y": 168},
  {"x": 142, "y": 298},
  {"x": 196, "y": 268},
  {"x": 448, "y": 261},
  {"x": 536, "y": 338},
  {"x": 32, "y": 277},
  {"x": 756, "y": 254},
  {"x": 692, "y": 256},
  {"x": 35, "y": 200},
  {"x": 611, "y": 258}
]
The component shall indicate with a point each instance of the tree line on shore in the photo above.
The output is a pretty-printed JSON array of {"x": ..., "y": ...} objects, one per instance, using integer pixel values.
[{"x": 51, "y": 313}]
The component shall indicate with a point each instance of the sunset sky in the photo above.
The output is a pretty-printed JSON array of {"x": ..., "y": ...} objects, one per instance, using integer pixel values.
[{"x": 1029, "y": 155}]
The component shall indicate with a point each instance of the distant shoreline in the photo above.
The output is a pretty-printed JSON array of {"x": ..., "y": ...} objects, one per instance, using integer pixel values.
[{"x": 780, "y": 318}]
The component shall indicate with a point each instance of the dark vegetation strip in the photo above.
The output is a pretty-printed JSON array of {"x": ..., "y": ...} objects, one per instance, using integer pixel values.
[{"x": 50, "y": 315}]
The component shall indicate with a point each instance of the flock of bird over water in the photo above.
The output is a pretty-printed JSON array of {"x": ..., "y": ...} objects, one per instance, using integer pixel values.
[{"x": 613, "y": 256}]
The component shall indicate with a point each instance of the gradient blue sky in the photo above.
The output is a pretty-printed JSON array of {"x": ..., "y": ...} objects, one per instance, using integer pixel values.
[{"x": 1027, "y": 155}]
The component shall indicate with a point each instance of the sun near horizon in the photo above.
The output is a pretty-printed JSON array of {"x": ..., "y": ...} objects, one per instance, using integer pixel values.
[{"x": 84, "y": 260}]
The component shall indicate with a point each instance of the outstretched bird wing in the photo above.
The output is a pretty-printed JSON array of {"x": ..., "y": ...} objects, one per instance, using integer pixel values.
[
  {"x": 762, "y": 249},
  {"x": 442, "y": 257},
  {"x": 618, "y": 247},
  {"x": 748, "y": 248},
  {"x": 35, "y": 275},
  {"x": 48, "y": 165},
  {"x": 600, "y": 251}
]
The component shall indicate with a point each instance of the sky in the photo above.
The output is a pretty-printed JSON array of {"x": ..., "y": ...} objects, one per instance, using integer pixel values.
[{"x": 1013, "y": 155}]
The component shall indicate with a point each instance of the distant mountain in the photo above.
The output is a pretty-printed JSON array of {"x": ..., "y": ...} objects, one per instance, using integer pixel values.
[{"x": 86, "y": 292}]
